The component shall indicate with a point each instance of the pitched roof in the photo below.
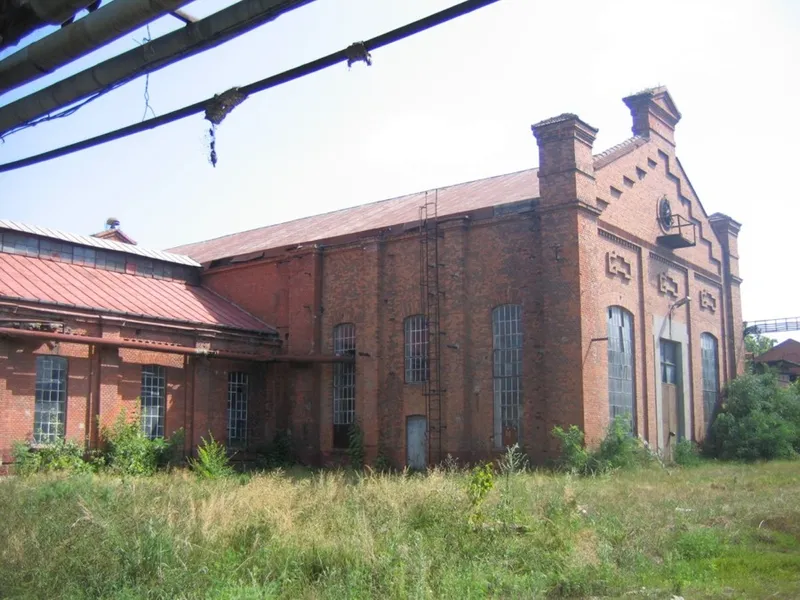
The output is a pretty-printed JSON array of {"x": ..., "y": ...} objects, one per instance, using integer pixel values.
[
  {"x": 115, "y": 235},
  {"x": 94, "y": 242},
  {"x": 788, "y": 350},
  {"x": 482, "y": 193},
  {"x": 57, "y": 283},
  {"x": 454, "y": 199}
]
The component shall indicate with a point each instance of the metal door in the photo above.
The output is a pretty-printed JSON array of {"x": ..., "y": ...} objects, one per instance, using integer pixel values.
[
  {"x": 417, "y": 442},
  {"x": 670, "y": 395}
]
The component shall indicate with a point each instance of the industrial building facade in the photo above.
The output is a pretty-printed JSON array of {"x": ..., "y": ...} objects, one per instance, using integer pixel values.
[{"x": 456, "y": 321}]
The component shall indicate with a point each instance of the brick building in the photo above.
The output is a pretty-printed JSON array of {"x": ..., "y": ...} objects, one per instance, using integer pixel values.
[{"x": 453, "y": 321}]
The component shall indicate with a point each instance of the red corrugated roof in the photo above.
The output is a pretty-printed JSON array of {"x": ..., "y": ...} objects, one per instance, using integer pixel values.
[
  {"x": 39, "y": 280},
  {"x": 454, "y": 199}
]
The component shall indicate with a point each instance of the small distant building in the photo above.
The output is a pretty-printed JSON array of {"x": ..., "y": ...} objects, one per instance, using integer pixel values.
[{"x": 784, "y": 359}]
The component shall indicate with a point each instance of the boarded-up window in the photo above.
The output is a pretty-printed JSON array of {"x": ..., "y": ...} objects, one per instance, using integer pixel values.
[
  {"x": 238, "y": 384},
  {"x": 507, "y": 373},
  {"x": 153, "y": 397},
  {"x": 344, "y": 384},
  {"x": 621, "y": 365},
  {"x": 416, "y": 349},
  {"x": 708, "y": 350},
  {"x": 49, "y": 413}
]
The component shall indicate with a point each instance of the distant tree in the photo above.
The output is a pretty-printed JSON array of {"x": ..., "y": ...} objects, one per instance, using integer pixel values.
[{"x": 755, "y": 343}]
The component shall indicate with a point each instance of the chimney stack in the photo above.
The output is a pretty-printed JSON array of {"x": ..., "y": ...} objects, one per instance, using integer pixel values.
[
  {"x": 566, "y": 166},
  {"x": 654, "y": 114}
]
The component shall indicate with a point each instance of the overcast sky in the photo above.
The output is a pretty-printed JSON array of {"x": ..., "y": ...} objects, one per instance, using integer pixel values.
[{"x": 449, "y": 105}]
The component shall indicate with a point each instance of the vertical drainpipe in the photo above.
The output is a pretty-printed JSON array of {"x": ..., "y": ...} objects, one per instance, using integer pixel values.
[
  {"x": 319, "y": 259},
  {"x": 89, "y": 436}
]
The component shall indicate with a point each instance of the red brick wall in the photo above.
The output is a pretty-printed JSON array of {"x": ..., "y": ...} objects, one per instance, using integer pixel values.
[{"x": 196, "y": 388}]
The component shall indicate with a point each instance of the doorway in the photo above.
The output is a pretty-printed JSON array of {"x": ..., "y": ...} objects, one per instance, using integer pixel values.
[
  {"x": 671, "y": 396},
  {"x": 417, "y": 442}
]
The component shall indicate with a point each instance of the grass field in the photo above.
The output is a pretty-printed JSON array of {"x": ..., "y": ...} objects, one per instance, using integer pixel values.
[{"x": 715, "y": 531}]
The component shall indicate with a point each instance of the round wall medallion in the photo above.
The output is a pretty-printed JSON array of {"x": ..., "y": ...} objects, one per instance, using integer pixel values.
[{"x": 664, "y": 214}]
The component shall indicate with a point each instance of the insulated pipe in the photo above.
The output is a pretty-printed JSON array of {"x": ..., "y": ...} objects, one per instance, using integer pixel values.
[
  {"x": 55, "y": 12},
  {"x": 205, "y": 34},
  {"x": 187, "y": 350},
  {"x": 69, "y": 43}
]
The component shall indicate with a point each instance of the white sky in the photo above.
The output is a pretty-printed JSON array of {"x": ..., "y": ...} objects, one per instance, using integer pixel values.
[{"x": 451, "y": 104}]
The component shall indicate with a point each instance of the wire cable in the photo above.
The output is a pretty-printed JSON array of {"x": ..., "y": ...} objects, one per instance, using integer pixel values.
[{"x": 304, "y": 70}]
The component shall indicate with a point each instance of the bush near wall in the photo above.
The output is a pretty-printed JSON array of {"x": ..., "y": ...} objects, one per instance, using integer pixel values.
[{"x": 758, "y": 420}]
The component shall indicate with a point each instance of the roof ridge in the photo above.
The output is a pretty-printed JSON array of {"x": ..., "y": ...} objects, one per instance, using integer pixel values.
[
  {"x": 372, "y": 203},
  {"x": 95, "y": 242}
]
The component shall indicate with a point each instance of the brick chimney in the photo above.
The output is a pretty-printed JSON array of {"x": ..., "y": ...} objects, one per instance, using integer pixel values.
[
  {"x": 566, "y": 167},
  {"x": 567, "y": 251},
  {"x": 654, "y": 114},
  {"x": 727, "y": 231}
]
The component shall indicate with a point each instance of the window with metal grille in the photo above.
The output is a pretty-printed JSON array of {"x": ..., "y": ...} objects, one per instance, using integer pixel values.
[
  {"x": 621, "y": 390},
  {"x": 708, "y": 352},
  {"x": 507, "y": 372},
  {"x": 110, "y": 261},
  {"x": 416, "y": 349},
  {"x": 344, "y": 384},
  {"x": 51, "y": 398},
  {"x": 153, "y": 398},
  {"x": 237, "y": 408},
  {"x": 15, "y": 243},
  {"x": 84, "y": 256},
  {"x": 59, "y": 251}
]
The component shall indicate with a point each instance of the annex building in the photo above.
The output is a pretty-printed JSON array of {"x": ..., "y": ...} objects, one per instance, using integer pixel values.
[{"x": 455, "y": 321}]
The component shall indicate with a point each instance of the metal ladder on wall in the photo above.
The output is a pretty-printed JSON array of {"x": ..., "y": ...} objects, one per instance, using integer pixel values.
[{"x": 431, "y": 296}]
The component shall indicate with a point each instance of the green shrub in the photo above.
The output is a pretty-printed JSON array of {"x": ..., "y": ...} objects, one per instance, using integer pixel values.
[
  {"x": 574, "y": 455},
  {"x": 60, "y": 455},
  {"x": 128, "y": 451},
  {"x": 278, "y": 453},
  {"x": 759, "y": 419},
  {"x": 686, "y": 454},
  {"x": 618, "y": 450},
  {"x": 212, "y": 460},
  {"x": 480, "y": 483}
]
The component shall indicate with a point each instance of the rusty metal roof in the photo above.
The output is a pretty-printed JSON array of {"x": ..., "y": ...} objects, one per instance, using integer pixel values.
[
  {"x": 482, "y": 193},
  {"x": 56, "y": 283},
  {"x": 87, "y": 240}
]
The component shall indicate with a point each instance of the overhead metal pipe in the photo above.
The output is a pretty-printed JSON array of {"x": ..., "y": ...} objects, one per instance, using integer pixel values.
[
  {"x": 314, "y": 66},
  {"x": 197, "y": 37},
  {"x": 55, "y": 12},
  {"x": 69, "y": 43},
  {"x": 47, "y": 336}
]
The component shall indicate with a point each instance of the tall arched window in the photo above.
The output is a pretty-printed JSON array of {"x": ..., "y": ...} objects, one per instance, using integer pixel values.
[
  {"x": 708, "y": 354},
  {"x": 415, "y": 329},
  {"x": 344, "y": 384},
  {"x": 507, "y": 373},
  {"x": 621, "y": 389}
]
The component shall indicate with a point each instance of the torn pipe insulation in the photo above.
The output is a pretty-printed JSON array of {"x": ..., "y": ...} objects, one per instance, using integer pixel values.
[{"x": 219, "y": 107}]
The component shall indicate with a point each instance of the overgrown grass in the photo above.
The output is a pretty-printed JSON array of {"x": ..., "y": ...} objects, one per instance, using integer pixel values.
[{"x": 713, "y": 531}]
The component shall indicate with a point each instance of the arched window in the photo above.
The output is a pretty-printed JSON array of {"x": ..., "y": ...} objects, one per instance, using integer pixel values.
[
  {"x": 507, "y": 373},
  {"x": 49, "y": 412},
  {"x": 710, "y": 360},
  {"x": 344, "y": 384},
  {"x": 415, "y": 329},
  {"x": 621, "y": 389}
]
